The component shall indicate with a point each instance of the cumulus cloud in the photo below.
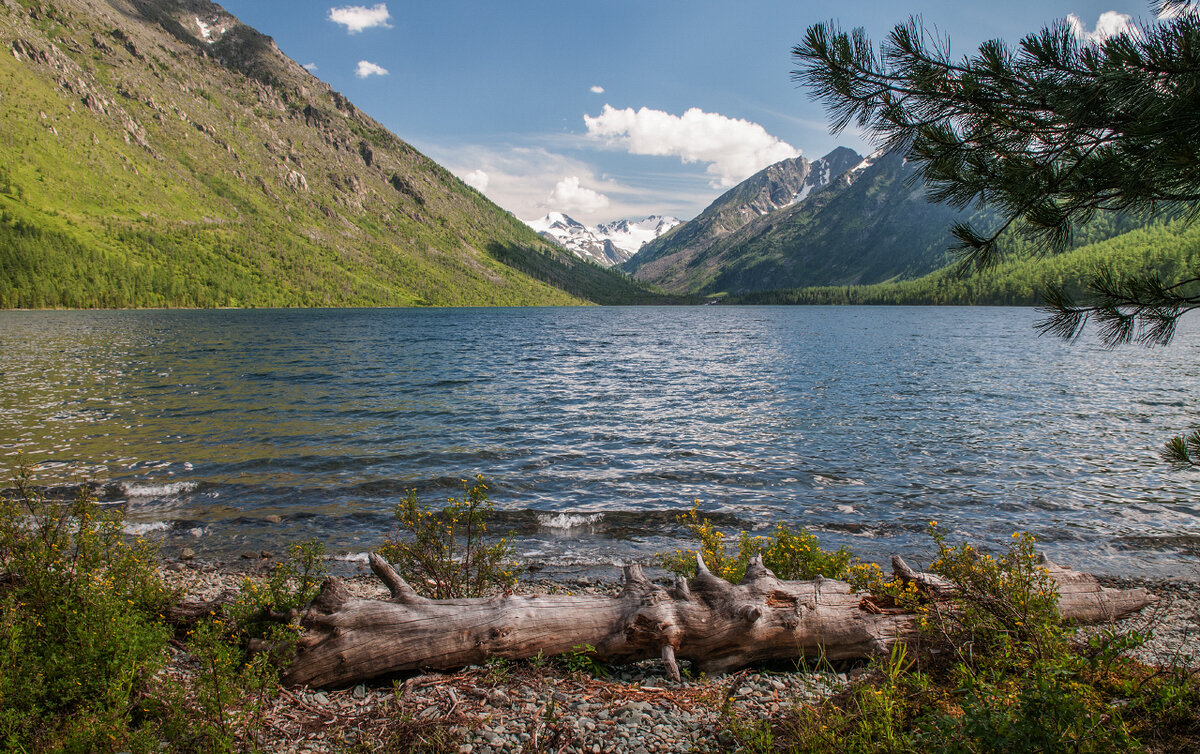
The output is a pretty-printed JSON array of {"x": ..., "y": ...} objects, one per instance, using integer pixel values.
[
  {"x": 310, "y": 67},
  {"x": 366, "y": 68},
  {"x": 522, "y": 179},
  {"x": 357, "y": 17},
  {"x": 733, "y": 149},
  {"x": 1110, "y": 24},
  {"x": 476, "y": 179},
  {"x": 597, "y": 89},
  {"x": 569, "y": 195}
]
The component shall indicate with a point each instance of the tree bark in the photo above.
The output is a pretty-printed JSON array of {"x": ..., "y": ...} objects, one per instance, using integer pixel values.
[{"x": 717, "y": 625}]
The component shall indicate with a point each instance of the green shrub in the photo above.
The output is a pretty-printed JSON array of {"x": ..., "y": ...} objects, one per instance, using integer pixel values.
[
  {"x": 1006, "y": 609},
  {"x": 445, "y": 554},
  {"x": 996, "y": 670},
  {"x": 81, "y": 631},
  {"x": 237, "y": 653},
  {"x": 582, "y": 660},
  {"x": 790, "y": 554},
  {"x": 870, "y": 716},
  {"x": 230, "y": 692},
  {"x": 292, "y": 583}
]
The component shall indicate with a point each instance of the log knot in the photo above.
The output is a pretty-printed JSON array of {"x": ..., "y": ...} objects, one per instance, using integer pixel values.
[{"x": 749, "y": 613}]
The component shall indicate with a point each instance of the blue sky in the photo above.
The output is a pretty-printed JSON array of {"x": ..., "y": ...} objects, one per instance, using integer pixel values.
[{"x": 512, "y": 96}]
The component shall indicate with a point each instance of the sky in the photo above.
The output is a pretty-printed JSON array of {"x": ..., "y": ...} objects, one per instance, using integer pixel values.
[{"x": 610, "y": 110}]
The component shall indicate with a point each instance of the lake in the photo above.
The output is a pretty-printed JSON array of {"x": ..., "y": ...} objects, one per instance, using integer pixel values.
[{"x": 228, "y": 431}]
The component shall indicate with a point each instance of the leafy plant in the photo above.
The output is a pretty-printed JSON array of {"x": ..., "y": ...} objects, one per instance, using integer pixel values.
[
  {"x": 1006, "y": 607},
  {"x": 446, "y": 554},
  {"x": 80, "y": 623},
  {"x": 229, "y": 694},
  {"x": 789, "y": 553},
  {"x": 995, "y": 670},
  {"x": 582, "y": 659},
  {"x": 293, "y": 583},
  {"x": 499, "y": 669}
]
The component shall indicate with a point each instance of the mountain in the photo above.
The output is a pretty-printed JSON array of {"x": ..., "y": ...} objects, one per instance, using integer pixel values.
[
  {"x": 605, "y": 244},
  {"x": 672, "y": 260},
  {"x": 869, "y": 224},
  {"x": 873, "y": 223},
  {"x": 162, "y": 153}
]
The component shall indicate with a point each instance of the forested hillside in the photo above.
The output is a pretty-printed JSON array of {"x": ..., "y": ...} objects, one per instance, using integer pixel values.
[
  {"x": 1166, "y": 249},
  {"x": 161, "y": 153}
]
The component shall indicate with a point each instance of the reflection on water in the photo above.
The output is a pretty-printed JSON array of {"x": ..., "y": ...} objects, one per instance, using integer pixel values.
[{"x": 860, "y": 423}]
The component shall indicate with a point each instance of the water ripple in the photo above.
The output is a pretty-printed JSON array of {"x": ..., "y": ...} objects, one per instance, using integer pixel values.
[{"x": 860, "y": 423}]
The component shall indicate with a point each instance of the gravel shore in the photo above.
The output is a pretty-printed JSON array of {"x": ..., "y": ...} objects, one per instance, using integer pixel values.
[{"x": 507, "y": 707}]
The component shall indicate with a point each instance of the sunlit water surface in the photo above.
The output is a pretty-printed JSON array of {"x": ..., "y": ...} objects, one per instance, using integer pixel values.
[{"x": 595, "y": 427}]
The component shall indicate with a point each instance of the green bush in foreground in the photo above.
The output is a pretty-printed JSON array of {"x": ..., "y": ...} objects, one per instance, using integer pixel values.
[
  {"x": 445, "y": 554},
  {"x": 996, "y": 670},
  {"x": 789, "y": 553},
  {"x": 81, "y": 633}
]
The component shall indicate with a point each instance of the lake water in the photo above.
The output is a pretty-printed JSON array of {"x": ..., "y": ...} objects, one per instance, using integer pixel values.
[{"x": 595, "y": 427}]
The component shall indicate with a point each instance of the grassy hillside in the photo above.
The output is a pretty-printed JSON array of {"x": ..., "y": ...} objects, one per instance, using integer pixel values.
[
  {"x": 1170, "y": 250},
  {"x": 143, "y": 165}
]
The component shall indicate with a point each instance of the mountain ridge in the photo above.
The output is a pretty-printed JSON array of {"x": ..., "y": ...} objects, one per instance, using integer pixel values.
[
  {"x": 606, "y": 244},
  {"x": 667, "y": 260},
  {"x": 165, "y": 154}
]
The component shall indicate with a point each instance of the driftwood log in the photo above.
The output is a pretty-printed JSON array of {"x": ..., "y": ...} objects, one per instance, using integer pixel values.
[{"x": 717, "y": 625}]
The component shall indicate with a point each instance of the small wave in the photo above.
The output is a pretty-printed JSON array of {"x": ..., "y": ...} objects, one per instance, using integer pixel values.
[
  {"x": 139, "y": 529},
  {"x": 170, "y": 489},
  {"x": 568, "y": 520},
  {"x": 847, "y": 481},
  {"x": 351, "y": 557}
]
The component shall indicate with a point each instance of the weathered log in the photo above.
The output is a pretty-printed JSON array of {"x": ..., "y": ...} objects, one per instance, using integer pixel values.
[
  {"x": 186, "y": 614},
  {"x": 1080, "y": 596},
  {"x": 717, "y": 625}
]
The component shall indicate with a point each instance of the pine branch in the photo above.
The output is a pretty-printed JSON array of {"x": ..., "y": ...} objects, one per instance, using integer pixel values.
[{"x": 1049, "y": 132}]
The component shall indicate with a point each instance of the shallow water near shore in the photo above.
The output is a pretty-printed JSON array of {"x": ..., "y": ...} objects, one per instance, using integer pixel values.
[{"x": 227, "y": 431}]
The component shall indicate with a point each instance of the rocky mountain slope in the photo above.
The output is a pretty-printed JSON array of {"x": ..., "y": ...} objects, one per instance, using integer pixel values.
[
  {"x": 161, "y": 153},
  {"x": 606, "y": 244},
  {"x": 675, "y": 261},
  {"x": 872, "y": 224}
]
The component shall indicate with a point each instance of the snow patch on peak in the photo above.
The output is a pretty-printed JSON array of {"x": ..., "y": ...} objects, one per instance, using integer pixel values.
[
  {"x": 605, "y": 244},
  {"x": 819, "y": 176},
  {"x": 868, "y": 161},
  {"x": 212, "y": 31}
]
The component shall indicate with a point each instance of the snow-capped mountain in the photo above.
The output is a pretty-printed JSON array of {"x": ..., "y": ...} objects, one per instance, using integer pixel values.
[
  {"x": 606, "y": 244},
  {"x": 788, "y": 183}
]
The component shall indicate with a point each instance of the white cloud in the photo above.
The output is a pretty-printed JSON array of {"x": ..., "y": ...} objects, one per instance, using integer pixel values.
[
  {"x": 366, "y": 68},
  {"x": 476, "y": 179},
  {"x": 734, "y": 149},
  {"x": 522, "y": 180},
  {"x": 570, "y": 196},
  {"x": 310, "y": 67},
  {"x": 357, "y": 17},
  {"x": 1110, "y": 24},
  {"x": 597, "y": 89}
]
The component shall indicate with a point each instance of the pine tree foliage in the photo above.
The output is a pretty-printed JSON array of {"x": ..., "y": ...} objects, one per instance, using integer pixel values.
[{"x": 1049, "y": 132}]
